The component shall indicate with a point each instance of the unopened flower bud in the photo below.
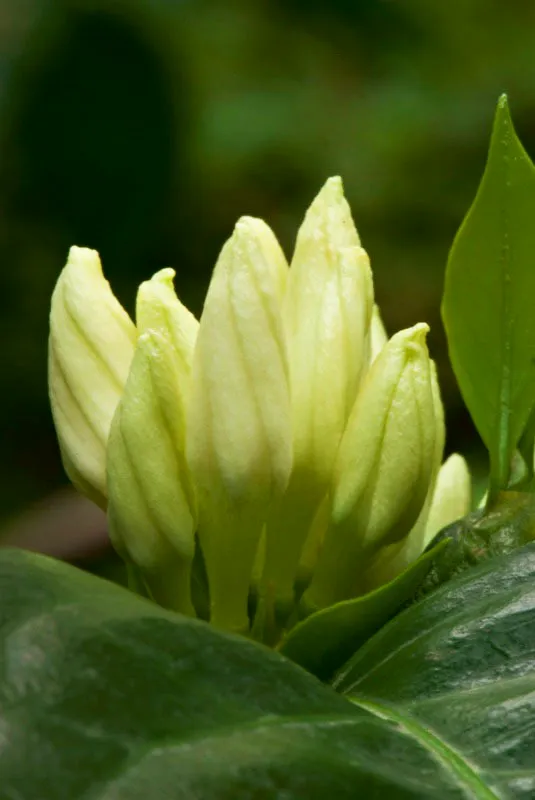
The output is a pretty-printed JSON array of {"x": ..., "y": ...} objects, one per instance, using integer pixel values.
[
  {"x": 327, "y": 313},
  {"x": 150, "y": 497},
  {"x": 394, "y": 559},
  {"x": 239, "y": 443},
  {"x": 91, "y": 346},
  {"x": 384, "y": 466}
]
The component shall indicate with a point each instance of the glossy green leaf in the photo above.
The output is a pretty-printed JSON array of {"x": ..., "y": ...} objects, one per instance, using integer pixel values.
[
  {"x": 104, "y": 695},
  {"x": 457, "y": 670},
  {"x": 325, "y": 640},
  {"x": 489, "y": 296},
  {"x": 481, "y": 535}
]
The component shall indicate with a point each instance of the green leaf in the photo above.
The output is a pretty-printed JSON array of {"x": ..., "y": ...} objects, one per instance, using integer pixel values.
[
  {"x": 325, "y": 640},
  {"x": 104, "y": 695},
  {"x": 481, "y": 535},
  {"x": 457, "y": 671},
  {"x": 489, "y": 295}
]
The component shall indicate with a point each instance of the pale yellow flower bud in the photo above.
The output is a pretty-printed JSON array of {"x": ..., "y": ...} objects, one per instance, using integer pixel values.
[
  {"x": 394, "y": 559},
  {"x": 452, "y": 496},
  {"x": 327, "y": 313},
  {"x": 239, "y": 443},
  {"x": 159, "y": 309},
  {"x": 384, "y": 467},
  {"x": 150, "y": 497},
  {"x": 91, "y": 346}
]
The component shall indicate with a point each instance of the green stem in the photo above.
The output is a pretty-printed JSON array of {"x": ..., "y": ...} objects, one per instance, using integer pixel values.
[
  {"x": 287, "y": 533},
  {"x": 170, "y": 586},
  {"x": 135, "y": 580},
  {"x": 265, "y": 628},
  {"x": 340, "y": 570}
]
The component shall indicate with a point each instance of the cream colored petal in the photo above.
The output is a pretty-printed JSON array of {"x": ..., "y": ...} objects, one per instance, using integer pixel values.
[
  {"x": 378, "y": 335},
  {"x": 91, "y": 345},
  {"x": 452, "y": 497}
]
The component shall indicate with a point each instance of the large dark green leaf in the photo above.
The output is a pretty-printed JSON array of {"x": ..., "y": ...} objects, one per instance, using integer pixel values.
[
  {"x": 458, "y": 672},
  {"x": 489, "y": 295},
  {"x": 103, "y": 695}
]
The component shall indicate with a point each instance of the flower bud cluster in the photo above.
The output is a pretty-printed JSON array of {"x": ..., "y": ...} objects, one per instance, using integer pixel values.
[{"x": 283, "y": 435}]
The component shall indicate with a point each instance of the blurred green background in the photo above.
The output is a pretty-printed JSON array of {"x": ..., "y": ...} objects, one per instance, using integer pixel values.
[{"x": 145, "y": 128}]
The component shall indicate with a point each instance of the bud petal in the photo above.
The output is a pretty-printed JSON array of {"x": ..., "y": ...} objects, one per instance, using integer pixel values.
[
  {"x": 91, "y": 345},
  {"x": 414, "y": 544},
  {"x": 159, "y": 309},
  {"x": 327, "y": 313},
  {"x": 239, "y": 423},
  {"x": 452, "y": 497},
  {"x": 384, "y": 466},
  {"x": 150, "y": 498},
  {"x": 378, "y": 336}
]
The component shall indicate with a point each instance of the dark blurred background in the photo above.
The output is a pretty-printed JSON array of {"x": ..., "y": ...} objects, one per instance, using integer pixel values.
[{"x": 145, "y": 128}]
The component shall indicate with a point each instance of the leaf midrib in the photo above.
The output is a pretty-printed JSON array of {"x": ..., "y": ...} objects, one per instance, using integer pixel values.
[
  {"x": 503, "y": 425},
  {"x": 437, "y": 747}
]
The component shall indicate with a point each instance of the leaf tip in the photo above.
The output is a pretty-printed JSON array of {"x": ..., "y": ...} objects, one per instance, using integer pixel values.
[{"x": 502, "y": 118}]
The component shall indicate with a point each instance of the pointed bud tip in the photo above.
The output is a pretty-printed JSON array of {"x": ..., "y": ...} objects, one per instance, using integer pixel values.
[
  {"x": 165, "y": 276},
  {"x": 419, "y": 332},
  {"x": 247, "y": 227},
  {"x": 418, "y": 341},
  {"x": 334, "y": 186},
  {"x": 252, "y": 236},
  {"x": 328, "y": 219},
  {"x": 160, "y": 288},
  {"x": 413, "y": 338},
  {"x": 331, "y": 193},
  {"x": 83, "y": 258},
  {"x": 458, "y": 462}
]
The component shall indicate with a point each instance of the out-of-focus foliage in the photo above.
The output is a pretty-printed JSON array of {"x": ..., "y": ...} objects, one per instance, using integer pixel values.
[{"x": 144, "y": 129}]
